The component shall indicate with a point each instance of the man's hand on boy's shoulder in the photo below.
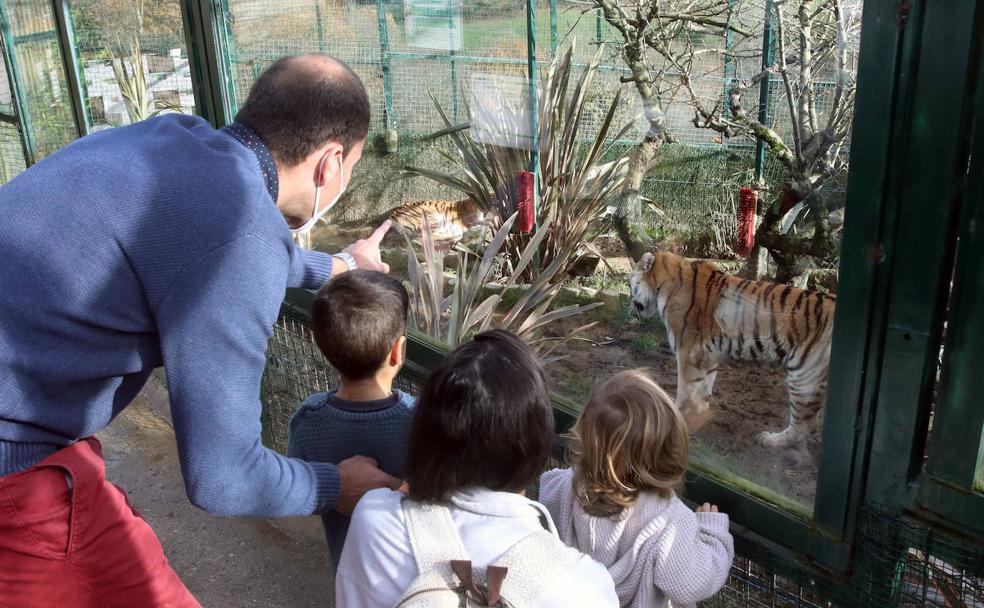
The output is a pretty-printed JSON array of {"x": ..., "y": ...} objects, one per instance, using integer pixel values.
[{"x": 358, "y": 475}]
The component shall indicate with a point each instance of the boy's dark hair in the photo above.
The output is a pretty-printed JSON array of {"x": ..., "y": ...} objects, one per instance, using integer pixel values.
[
  {"x": 483, "y": 418},
  {"x": 301, "y": 103},
  {"x": 356, "y": 317}
]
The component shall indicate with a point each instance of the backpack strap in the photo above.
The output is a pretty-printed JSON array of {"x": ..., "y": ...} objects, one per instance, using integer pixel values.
[
  {"x": 531, "y": 564},
  {"x": 434, "y": 538}
]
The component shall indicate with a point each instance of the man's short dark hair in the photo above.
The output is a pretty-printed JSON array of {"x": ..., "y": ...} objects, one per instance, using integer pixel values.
[
  {"x": 483, "y": 418},
  {"x": 356, "y": 317},
  {"x": 301, "y": 103}
]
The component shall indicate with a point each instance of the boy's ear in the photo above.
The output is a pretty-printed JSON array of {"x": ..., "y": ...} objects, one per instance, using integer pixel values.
[{"x": 398, "y": 353}]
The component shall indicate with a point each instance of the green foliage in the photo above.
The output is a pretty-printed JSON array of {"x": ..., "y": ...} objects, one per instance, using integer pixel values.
[
  {"x": 452, "y": 318},
  {"x": 577, "y": 388},
  {"x": 645, "y": 343}
]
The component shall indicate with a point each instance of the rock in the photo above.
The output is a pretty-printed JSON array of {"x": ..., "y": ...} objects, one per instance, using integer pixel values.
[{"x": 585, "y": 266}]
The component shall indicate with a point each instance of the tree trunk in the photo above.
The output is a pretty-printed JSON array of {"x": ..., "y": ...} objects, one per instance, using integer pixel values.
[
  {"x": 628, "y": 212},
  {"x": 756, "y": 264},
  {"x": 790, "y": 267}
]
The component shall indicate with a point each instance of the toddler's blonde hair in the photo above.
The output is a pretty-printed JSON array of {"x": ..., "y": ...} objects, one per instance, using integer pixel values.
[{"x": 629, "y": 438}]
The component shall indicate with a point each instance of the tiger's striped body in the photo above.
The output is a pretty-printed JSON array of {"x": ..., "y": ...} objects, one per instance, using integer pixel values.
[
  {"x": 711, "y": 316},
  {"x": 449, "y": 220}
]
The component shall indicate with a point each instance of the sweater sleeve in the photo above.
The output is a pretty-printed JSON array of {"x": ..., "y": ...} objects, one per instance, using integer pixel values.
[
  {"x": 309, "y": 269},
  {"x": 693, "y": 557},
  {"x": 294, "y": 441},
  {"x": 214, "y": 323}
]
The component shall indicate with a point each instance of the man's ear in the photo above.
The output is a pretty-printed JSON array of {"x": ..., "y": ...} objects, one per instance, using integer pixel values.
[
  {"x": 330, "y": 156},
  {"x": 398, "y": 353}
]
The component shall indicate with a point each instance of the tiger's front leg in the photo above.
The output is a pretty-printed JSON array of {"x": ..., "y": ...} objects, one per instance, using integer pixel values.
[{"x": 695, "y": 380}]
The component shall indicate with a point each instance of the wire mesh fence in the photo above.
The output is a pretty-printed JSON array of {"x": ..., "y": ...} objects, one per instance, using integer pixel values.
[
  {"x": 133, "y": 64},
  {"x": 410, "y": 51}
]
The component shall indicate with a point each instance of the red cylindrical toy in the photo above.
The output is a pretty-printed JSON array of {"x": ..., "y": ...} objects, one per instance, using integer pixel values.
[
  {"x": 526, "y": 204},
  {"x": 747, "y": 200}
]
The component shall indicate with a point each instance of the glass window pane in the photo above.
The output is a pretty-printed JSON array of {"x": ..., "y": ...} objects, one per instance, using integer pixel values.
[
  {"x": 471, "y": 57},
  {"x": 34, "y": 37},
  {"x": 11, "y": 145},
  {"x": 133, "y": 59}
]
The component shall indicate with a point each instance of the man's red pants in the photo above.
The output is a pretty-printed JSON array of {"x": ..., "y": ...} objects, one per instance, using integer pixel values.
[{"x": 80, "y": 546}]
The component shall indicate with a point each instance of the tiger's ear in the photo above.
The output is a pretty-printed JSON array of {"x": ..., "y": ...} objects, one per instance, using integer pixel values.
[{"x": 646, "y": 263}]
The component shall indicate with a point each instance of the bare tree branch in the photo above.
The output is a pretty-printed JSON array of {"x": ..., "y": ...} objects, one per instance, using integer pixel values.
[{"x": 784, "y": 74}]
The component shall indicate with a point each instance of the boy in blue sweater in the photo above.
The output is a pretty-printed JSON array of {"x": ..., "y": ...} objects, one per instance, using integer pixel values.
[{"x": 359, "y": 324}]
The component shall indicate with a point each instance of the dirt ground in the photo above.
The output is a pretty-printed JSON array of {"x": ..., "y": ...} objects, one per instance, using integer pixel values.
[
  {"x": 225, "y": 562},
  {"x": 747, "y": 399}
]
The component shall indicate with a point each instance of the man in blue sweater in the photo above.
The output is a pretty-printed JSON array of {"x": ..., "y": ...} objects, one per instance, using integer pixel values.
[{"x": 163, "y": 243}]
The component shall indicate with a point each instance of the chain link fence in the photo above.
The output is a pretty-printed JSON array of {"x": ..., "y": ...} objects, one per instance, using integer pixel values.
[{"x": 408, "y": 51}]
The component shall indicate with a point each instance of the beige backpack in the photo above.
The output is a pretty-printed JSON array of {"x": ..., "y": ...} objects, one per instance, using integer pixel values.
[{"x": 447, "y": 579}]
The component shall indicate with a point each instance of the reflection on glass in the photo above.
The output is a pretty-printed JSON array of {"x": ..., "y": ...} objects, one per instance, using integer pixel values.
[
  {"x": 133, "y": 60},
  {"x": 979, "y": 479},
  {"x": 433, "y": 24},
  {"x": 49, "y": 122},
  {"x": 11, "y": 147}
]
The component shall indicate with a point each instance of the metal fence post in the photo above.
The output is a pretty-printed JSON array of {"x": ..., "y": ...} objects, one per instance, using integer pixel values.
[
  {"x": 534, "y": 106},
  {"x": 598, "y": 19},
  {"x": 320, "y": 25},
  {"x": 454, "y": 66},
  {"x": 384, "y": 52},
  {"x": 553, "y": 27},
  {"x": 764, "y": 89},
  {"x": 62, "y": 11}
]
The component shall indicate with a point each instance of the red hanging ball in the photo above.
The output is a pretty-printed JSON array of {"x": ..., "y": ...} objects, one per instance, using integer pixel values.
[
  {"x": 526, "y": 204},
  {"x": 747, "y": 200}
]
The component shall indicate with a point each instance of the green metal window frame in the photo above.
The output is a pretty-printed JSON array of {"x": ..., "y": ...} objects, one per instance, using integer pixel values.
[
  {"x": 62, "y": 11},
  {"x": 947, "y": 487},
  {"x": 203, "y": 33},
  {"x": 937, "y": 125}
]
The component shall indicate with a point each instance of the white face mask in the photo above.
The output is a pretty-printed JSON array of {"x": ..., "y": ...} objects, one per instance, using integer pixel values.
[{"x": 315, "y": 214}]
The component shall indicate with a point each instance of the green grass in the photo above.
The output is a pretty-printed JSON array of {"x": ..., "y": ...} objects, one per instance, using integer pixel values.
[
  {"x": 577, "y": 388},
  {"x": 602, "y": 279},
  {"x": 482, "y": 31},
  {"x": 645, "y": 343}
]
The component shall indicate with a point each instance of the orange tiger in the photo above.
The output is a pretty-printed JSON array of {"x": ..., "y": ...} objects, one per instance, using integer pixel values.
[
  {"x": 711, "y": 316},
  {"x": 449, "y": 220}
]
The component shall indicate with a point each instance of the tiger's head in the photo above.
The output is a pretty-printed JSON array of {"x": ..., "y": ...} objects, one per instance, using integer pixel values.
[
  {"x": 472, "y": 215},
  {"x": 641, "y": 291}
]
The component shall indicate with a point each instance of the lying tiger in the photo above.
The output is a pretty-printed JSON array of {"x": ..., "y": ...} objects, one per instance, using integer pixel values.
[
  {"x": 711, "y": 316},
  {"x": 449, "y": 220}
]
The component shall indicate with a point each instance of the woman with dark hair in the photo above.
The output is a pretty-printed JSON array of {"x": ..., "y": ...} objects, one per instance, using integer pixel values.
[{"x": 481, "y": 434}]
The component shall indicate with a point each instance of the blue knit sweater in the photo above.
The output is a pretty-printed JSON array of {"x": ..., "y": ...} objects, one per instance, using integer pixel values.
[
  {"x": 328, "y": 429},
  {"x": 153, "y": 244}
]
